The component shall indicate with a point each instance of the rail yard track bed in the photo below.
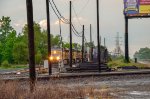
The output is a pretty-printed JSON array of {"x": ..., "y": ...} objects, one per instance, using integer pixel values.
[{"x": 45, "y": 76}]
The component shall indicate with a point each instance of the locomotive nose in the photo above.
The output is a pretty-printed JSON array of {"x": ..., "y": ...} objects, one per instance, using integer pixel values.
[
  {"x": 51, "y": 58},
  {"x": 58, "y": 58}
]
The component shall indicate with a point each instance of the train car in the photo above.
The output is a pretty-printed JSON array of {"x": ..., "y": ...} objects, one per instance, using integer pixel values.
[
  {"x": 74, "y": 55},
  {"x": 58, "y": 55},
  {"x": 78, "y": 56},
  {"x": 103, "y": 55},
  {"x": 66, "y": 56}
]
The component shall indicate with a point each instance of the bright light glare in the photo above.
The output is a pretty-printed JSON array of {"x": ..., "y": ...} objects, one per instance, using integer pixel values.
[
  {"x": 51, "y": 58},
  {"x": 58, "y": 58},
  {"x": 54, "y": 52}
]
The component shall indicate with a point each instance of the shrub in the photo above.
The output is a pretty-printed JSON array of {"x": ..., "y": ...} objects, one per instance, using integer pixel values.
[
  {"x": 38, "y": 58},
  {"x": 5, "y": 64}
]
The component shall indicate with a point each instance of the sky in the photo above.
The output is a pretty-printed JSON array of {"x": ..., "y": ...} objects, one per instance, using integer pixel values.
[{"x": 111, "y": 20}]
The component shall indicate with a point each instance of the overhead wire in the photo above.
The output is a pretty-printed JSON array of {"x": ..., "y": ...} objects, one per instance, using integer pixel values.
[
  {"x": 59, "y": 12},
  {"x": 59, "y": 21},
  {"x": 76, "y": 34},
  {"x": 63, "y": 19},
  {"x": 76, "y": 15},
  {"x": 76, "y": 30},
  {"x": 54, "y": 11}
]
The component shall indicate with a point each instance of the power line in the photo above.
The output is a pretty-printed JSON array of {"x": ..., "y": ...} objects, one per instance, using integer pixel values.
[
  {"x": 59, "y": 12},
  {"x": 54, "y": 9},
  {"x": 76, "y": 30},
  {"x": 76, "y": 15},
  {"x": 59, "y": 16},
  {"x": 76, "y": 34},
  {"x": 63, "y": 19}
]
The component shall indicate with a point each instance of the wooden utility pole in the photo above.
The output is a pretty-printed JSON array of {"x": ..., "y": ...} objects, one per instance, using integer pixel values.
[
  {"x": 83, "y": 45},
  {"x": 31, "y": 44},
  {"x": 48, "y": 37},
  {"x": 91, "y": 53},
  {"x": 61, "y": 40},
  {"x": 126, "y": 41},
  {"x": 90, "y": 33},
  {"x": 70, "y": 34},
  {"x": 98, "y": 40},
  {"x": 104, "y": 42}
]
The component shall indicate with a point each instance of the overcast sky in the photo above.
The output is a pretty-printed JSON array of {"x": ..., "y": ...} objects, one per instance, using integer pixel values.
[{"x": 111, "y": 20}]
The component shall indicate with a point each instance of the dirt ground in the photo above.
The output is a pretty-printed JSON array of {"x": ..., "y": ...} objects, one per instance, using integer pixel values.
[{"x": 116, "y": 87}]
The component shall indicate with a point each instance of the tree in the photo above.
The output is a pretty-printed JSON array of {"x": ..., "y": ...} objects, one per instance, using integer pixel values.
[
  {"x": 89, "y": 44},
  {"x": 56, "y": 41},
  {"x": 40, "y": 41},
  {"x": 74, "y": 45},
  {"x": 7, "y": 39},
  {"x": 143, "y": 53},
  {"x": 1, "y": 56},
  {"x": 14, "y": 48},
  {"x": 5, "y": 28},
  {"x": 20, "y": 53},
  {"x": 38, "y": 58},
  {"x": 8, "y": 47}
]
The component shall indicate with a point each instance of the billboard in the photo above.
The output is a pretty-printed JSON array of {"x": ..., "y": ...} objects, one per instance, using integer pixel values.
[{"x": 137, "y": 7}]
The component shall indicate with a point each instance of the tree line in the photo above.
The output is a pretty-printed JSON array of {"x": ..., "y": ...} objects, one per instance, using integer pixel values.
[
  {"x": 14, "y": 46},
  {"x": 143, "y": 53}
]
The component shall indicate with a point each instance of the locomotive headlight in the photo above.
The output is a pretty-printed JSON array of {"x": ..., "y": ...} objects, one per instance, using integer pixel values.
[
  {"x": 54, "y": 52},
  {"x": 58, "y": 58},
  {"x": 51, "y": 58}
]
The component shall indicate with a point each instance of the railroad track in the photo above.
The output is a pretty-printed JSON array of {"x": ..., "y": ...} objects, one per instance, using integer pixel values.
[
  {"x": 73, "y": 75},
  {"x": 12, "y": 76}
]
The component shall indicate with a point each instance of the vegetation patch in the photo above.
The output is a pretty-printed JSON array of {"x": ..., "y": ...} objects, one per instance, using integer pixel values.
[
  {"x": 13, "y": 67},
  {"x": 119, "y": 62},
  {"x": 50, "y": 90}
]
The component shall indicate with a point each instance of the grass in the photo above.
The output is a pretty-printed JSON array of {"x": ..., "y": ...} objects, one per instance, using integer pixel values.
[
  {"x": 14, "y": 67},
  {"x": 50, "y": 90},
  {"x": 120, "y": 63}
]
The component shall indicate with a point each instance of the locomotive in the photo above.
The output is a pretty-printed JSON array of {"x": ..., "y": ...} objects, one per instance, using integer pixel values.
[{"x": 58, "y": 54}]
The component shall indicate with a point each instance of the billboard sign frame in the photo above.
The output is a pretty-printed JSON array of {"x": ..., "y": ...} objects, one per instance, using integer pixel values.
[{"x": 137, "y": 8}]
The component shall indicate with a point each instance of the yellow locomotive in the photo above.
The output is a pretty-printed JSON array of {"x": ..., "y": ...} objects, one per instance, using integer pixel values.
[
  {"x": 58, "y": 54},
  {"x": 55, "y": 56}
]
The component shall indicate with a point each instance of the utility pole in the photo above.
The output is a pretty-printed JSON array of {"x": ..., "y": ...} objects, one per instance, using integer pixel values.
[
  {"x": 90, "y": 33},
  {"x": 31, "y": 44},
  {"x": 118, "y": 51},
  {"x": 126, "y": 41},
  {"x": 61, "y": 40},
  {"x": 70, "y": 34},
  {"x": 48, "y": 37},
  {"x": 83, "y": 45},
  {"x": 98, "y": 40},
  {"x": 91, "y": 53},
  {"x": 104, "y": 42}
]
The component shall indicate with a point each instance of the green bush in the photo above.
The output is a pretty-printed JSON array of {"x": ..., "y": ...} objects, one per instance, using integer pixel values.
[
  {"x": 5, "y": 64},
  {"x": 38, "y": 58}
]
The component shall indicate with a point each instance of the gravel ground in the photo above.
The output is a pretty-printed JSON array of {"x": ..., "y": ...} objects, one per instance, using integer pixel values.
[
  {"x": 119, "y": 87},
  {"x": 4, "y": 71}
]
